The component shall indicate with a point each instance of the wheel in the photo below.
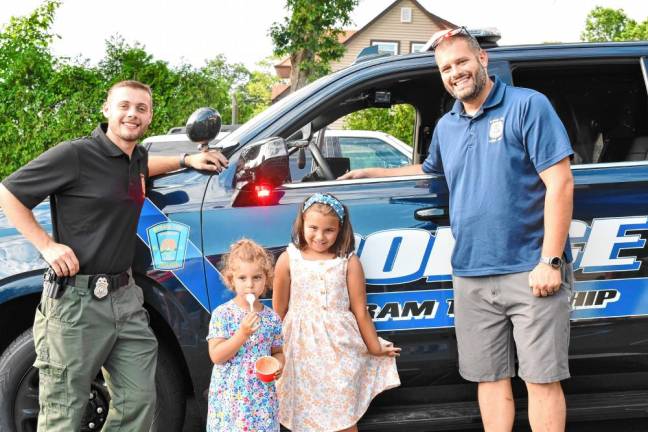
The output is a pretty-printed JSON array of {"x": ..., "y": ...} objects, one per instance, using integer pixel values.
[
  {"x": 171, "y": 395},
  {"x": 320, "y": 160},
  {"x": 19, "y": 386},
  {"x": 19, "y": 392}
]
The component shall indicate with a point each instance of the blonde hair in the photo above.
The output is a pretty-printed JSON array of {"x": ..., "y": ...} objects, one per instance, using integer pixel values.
[{"x": 246, "y": 250}]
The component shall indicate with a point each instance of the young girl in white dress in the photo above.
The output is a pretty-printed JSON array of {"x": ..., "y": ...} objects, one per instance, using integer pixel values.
[{"x": 335, "y": 362}]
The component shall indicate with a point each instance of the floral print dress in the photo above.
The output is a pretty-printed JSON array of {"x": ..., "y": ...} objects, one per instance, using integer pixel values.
[
  {"x": 329, "y": 378},
  {"x": 238, "y": 400}
]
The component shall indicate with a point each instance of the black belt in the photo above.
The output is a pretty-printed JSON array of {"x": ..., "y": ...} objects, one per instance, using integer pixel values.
[{"x": 100, "y": 284}]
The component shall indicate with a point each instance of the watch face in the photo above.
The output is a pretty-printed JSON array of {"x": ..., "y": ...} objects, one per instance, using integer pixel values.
[{"x": 555, "y": 262}]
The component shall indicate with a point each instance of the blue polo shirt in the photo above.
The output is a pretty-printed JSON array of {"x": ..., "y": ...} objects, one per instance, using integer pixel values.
[{"x": 491, "y": 162}]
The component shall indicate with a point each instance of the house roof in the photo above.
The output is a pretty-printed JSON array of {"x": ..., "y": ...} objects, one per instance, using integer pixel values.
[
  {"x": 285, "y": 63},
  {"x": 283, "y": 68},
  {"x": 277, "y": 90},
  {"x": 442, "y": 23},
  {"x": 345, "y": 35}
]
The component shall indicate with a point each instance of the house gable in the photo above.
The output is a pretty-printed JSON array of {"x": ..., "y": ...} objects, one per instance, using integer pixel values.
[{"x": 387, "y": 27}]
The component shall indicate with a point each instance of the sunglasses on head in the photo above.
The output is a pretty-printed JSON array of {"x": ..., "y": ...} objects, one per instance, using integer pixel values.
[{"x": 447, "y": 35}]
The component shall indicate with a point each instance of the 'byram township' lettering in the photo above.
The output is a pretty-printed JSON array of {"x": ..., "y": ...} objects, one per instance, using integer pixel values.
[{"x": 399, "y": 256}]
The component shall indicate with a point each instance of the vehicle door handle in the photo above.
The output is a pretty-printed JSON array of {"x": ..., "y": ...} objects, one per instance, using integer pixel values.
[{"x": 431, "y": 214}]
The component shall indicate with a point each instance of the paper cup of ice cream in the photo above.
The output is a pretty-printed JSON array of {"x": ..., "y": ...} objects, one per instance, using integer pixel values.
[{"x": 265, "y": 368}]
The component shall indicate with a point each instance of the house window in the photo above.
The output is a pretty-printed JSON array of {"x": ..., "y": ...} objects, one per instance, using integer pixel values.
[
  {"x": 406, "y": 15},
  {"x": 386, "y": 46},
  {"x": 416, "y": 46}
]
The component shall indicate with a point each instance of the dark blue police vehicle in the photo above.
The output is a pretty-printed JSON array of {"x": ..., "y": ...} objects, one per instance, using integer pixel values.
[{"x": 401, "y": 225}]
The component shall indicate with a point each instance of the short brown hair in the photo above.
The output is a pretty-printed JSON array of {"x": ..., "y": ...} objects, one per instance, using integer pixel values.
[
  {"x": 248, "y": 251},
  {"x": 345, "y": 241},
  {"x": 473, "y": 44},
  {"x": 132, "y": 84}
]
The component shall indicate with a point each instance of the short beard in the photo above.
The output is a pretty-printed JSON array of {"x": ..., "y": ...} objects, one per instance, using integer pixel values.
[{"x": 481, "y": 78}]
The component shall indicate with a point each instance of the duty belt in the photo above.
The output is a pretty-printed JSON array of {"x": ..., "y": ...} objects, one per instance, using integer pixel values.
[{"x": 100, "y": 284}]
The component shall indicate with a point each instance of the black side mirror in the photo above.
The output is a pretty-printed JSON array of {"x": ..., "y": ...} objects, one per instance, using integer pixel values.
[
  {"x": 261, "y": 168},
  {"x": 203, "y": 126}
]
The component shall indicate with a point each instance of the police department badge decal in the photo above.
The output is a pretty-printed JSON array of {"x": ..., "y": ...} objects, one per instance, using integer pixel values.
[
  {"x": 496, "y": 129},
  {"x": 168, "y": 244}
]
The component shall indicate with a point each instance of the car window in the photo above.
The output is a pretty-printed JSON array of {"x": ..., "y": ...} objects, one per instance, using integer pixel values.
[
  {"x": 171, "y": 148},
  {"x": 370, "y": 152},
  {"x": 360, "y": 139},
  {"x": 603, "y": 105}
]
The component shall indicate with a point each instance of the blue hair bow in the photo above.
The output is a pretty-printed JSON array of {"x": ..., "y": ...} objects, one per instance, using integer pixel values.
[{"x": 328, "y": 200}]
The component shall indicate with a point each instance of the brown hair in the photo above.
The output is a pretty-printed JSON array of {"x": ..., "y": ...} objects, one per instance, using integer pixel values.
[
  {"x": 473, "y": 44},
  {"x": 248, "y": 251},
  {"x": 131, "y": 84},
  {"x": 345, "y": 241}
]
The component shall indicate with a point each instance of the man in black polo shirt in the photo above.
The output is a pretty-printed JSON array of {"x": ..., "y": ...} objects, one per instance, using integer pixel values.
[{"x": 97, "y": 319}]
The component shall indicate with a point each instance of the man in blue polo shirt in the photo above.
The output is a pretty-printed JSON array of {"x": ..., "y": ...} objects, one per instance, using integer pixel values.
[{"x": 505, "y": 155}]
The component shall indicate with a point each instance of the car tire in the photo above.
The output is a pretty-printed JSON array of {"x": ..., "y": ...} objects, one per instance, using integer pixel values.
[
  {"x": 171, "y": 394},
  {"x": 19, "y": 389}
]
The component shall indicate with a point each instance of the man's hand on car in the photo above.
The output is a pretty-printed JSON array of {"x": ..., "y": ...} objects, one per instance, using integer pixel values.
[
  {"x": 355, "y": 174},
  {"x": 212, "y": 160}
]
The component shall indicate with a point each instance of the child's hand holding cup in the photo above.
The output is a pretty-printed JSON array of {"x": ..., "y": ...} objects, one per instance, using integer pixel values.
[{"x": 268, "y": 368}]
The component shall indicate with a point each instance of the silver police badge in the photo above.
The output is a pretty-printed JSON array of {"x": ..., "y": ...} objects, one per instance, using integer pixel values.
[{"x": 101, "y": 287}]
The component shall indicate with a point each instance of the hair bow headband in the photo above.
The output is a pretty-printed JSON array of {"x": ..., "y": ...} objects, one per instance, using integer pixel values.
[{"x": 329, "y": 201}]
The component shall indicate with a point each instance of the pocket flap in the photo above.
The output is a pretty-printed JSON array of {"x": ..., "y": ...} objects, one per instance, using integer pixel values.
[{"x": 49, "y": 367}]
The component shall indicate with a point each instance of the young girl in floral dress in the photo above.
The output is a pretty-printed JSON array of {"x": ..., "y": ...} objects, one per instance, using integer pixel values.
[
  {"x": 335, "y": 362},
  {"x": 238, "y": 400}
]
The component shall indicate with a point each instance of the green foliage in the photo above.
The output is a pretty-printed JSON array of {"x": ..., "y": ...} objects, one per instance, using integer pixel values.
[
  {"x": 45, "y": 100},
  {"x": 606, "y": 24},
  {"x": 310, "y": 36},
  {"x": 254, "y": 95},
  {"x": 397, "y": 121},
  {"x": 26, "y": 68}
]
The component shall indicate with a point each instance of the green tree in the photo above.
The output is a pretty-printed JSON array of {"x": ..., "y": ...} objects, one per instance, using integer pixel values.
[
  {"x": 606, "y": 24},
  {"x": 397, "y": 121},
  {"x": 45, "y": 100},
  {"x": 310, "y": 37},
  {"x": 27, "y": 102},
  {"x": 254, "y": 95}
]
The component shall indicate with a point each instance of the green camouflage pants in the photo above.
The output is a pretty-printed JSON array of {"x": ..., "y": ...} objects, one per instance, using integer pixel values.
[{"x": 76, "y": 335}]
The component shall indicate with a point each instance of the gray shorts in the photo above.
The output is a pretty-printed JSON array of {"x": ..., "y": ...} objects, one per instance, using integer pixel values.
[{"x": 494, "y": 314}]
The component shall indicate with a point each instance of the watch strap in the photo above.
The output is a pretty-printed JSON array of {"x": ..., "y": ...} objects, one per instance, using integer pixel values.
[
  {"x": 181, "y": 159},
  {"x": 553, "y": 261}
]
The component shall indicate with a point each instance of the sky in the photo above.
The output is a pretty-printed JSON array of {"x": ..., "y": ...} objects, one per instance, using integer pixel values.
[{"x": 193, "y": 31}]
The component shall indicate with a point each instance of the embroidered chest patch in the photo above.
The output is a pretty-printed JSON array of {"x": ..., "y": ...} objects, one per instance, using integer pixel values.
[{"x": 496, "y": 129}]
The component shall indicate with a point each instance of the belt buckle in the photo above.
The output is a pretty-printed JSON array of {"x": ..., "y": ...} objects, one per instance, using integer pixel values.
[{"x": 101, "y": 286}]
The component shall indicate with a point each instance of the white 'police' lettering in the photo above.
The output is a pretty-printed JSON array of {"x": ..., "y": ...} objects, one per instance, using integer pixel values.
[
  {"x": 607, "y": 237},
  {"x": 400, "y": 256}
]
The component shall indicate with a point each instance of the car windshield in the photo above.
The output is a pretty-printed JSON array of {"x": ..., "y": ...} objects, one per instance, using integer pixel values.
[{"x": 234, "y": 138}]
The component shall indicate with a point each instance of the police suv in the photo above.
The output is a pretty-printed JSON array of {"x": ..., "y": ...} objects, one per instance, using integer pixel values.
[{"x": 402, "y": 234}]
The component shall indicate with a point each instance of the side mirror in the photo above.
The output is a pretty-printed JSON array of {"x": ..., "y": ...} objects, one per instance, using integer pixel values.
[
  {"x": 261, "y": 168},
  {"x": 203, "y": 126},
  {"x": 307, "y": 131}
]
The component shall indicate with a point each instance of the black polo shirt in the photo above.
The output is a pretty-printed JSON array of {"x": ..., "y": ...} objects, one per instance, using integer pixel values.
[{"x": 99, "y": 193}]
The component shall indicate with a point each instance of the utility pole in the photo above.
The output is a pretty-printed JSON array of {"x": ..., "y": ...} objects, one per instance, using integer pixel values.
[{"x": 234, "y": 109}]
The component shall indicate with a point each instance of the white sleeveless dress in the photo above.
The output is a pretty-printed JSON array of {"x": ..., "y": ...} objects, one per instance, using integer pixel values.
[{"x": 329, "y": 378}]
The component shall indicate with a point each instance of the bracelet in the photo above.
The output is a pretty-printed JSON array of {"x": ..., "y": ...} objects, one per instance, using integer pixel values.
[{"x": 182, "y": 160}]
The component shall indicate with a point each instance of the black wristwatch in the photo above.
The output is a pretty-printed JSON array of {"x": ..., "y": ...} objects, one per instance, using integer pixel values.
[
  {"x": 554, "y": 261},
  {"x": 182, "y": 160}
]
